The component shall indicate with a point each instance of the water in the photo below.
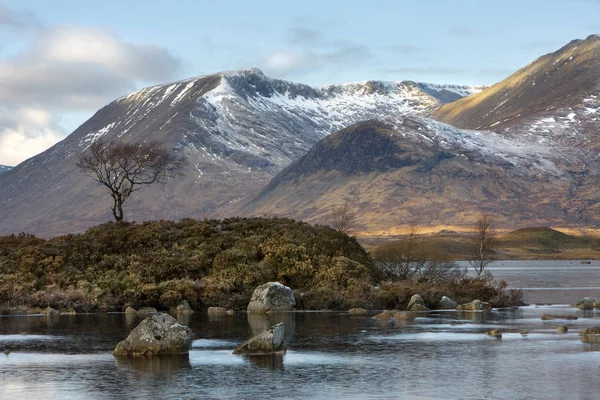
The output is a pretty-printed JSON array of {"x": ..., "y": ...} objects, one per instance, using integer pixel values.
[
  {"x": 550, "y": 282},
  {"x": 332, "y": 355}
]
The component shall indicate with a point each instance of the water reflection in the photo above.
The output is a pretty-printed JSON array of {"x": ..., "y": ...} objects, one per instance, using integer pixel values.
[
  {"x": 267, "y": 361},
  {"x": 261, "y": 322},
  {"x": 157, "y": 366}
]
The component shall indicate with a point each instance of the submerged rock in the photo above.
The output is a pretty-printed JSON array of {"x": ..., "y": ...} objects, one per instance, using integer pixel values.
[
  {"x": 357, "y": 311},
  {"x": 562, "y": 329},
  {"x": 158, "y": 334},
  {"x": 267, "y": 342},
  {"x": 404, "y": 315},
  {"x": 184, "y": 308},
  {"x": 216, "y": 311},
  {"x": 384, "y": 315},
  {"x": 497, "y": 333},
  {"x": 446, "y": 303},
  {"x": 272, "y": 296},
  {"x": 416, "y": 303},
  {"x": 547, "y": 317}
]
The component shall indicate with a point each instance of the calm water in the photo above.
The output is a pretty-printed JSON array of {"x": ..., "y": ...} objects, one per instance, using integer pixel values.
[{"x": 331, "y": 355}]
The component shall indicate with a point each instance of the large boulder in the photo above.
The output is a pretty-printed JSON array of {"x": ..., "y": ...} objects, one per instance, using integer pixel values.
[
  {"x": 585, "y": 303},
  {"x": 416, "y": 303},
  {"x": 158, "y": 334},
  {"x": 475, "y": 305},
  {"x": 446, "y": 303},
  {"x": 272, "y": 296},
  {"x": 267, "y": 342}
]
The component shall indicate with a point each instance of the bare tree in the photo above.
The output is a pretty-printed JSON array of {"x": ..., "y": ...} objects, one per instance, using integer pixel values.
[
  {"x": 409, "y": 258},
  {"x": 124, "y": 167},
  {"x": 482, "y": 240},
  {"x": 343, "y": 218}
]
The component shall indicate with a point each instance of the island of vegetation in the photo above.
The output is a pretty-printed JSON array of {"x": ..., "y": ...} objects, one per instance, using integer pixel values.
[{"x": 219, "y": 263}]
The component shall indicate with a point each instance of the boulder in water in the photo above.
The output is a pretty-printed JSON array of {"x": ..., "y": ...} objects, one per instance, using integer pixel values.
[
  {"x": 585, "y": 303},
  {"x": 158, "y": 334},
  {"x": 267, "y": 342}
]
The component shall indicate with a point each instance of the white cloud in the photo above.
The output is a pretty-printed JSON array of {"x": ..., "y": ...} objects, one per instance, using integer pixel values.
[
  {"x": 66, "y": 69},
  {"x": 26, "y": 132}
]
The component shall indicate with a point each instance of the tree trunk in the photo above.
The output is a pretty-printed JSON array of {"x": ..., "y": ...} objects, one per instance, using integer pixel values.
[{"x": 117, "y": 208}]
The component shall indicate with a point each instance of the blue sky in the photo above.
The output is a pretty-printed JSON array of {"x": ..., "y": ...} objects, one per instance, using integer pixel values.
[{"x": 61, "y": 60}]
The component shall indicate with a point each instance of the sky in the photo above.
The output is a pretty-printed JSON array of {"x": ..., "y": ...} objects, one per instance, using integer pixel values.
[{"x": 62, "y": 60}]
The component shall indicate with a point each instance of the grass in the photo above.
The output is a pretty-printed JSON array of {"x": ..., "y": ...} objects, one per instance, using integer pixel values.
[{"x": 521, "y": 244}]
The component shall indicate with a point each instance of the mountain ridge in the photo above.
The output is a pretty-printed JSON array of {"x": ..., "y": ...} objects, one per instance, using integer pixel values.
[{"x": 237, "y": 129}]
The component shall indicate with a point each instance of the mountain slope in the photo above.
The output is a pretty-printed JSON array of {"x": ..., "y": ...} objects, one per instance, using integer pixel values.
[
  {"x": 237, "y": 129},
  {"x": 4, "y": 168},
  {"x": 563, "y": 85},
  {"x": 407, "y": 170}
]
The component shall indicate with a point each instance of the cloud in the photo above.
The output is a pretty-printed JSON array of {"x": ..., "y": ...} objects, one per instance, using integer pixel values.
[
  {"x": 308, "y": 50},
  {"x": 26, "y": 132},
  {"x": 287, "y": 63},
  {"x": 65, "y": 69},
  {"x": 18, "y": 19}
]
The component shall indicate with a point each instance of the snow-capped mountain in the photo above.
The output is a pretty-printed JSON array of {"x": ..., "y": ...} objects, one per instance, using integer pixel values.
[
  {"x": 533, "y": 160},
  {"x": 4, "y": 168},
  {"x": 237, "y": 129}
]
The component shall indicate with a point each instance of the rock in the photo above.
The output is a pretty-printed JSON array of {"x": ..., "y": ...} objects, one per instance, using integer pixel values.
[
  {"x": 524, "y": 333},
  {"x": 446, "y": 303},
  {"x": 272, "y": 296},
  {"x": 497, "y": 333},
  {"x": 51, "y": 311},
  {"x": 475, "y": 305},
  {"x": 547, "y": 317},
  {"x": 416, "y": 303},
  {"x": 130, "y": 311},
  {"x": 216, "y": 311},
  {"x": 67, "y": 311},
  {"x": 145, "y": 311},
  {"x": 158, "y": 334},
  {"x": 590, "y": 331},
  {"x": 357, "y": 311},
  {"x": 597, "y": 305},
  {"x": 230, "y": 312},
  {"x": 384, "y": 315},
  {"x": 267, "y": 342},
  {"x": 586, "y": 303},
  {"x": 590, "y": 335},
  {"x": 184, "y": 308},
  {"x": 562, "y": 329},
  {"x": 404, "y": 315}
]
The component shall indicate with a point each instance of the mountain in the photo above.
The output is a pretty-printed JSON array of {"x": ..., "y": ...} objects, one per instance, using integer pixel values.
[
  {"x": 554, "y": 92},
  {"x": 237, "y": 129},
  {"x": 407, "y": 170},
  {"x": 528, "y": 154},
  {"x": 4, "y": 168}
]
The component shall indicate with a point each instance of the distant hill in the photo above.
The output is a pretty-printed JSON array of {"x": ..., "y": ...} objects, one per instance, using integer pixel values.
[{"x": 4, "y": 168}]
